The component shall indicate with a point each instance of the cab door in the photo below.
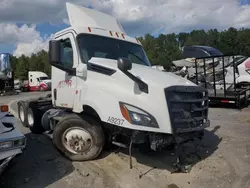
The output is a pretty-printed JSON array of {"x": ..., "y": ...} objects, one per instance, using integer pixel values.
[{"x": 64, "y": 84}]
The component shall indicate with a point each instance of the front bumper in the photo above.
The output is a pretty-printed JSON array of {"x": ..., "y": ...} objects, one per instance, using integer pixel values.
[{"x": 193, "y": 129}]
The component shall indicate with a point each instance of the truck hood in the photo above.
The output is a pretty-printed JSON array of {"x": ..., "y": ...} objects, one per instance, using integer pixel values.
[
  {"x": 157, "y": 77},
  {"x": 147, "y": 74}
]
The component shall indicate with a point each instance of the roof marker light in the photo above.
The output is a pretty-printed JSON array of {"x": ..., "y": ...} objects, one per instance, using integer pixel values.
[
  {"x": 117, "y": 35},
  {"x": 110, "y": 32},
  {"x": 89, "y": 29},
  {"x": 123, "y": 36}
]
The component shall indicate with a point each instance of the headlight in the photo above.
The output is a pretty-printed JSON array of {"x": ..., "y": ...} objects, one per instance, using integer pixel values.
[
  {"x": 19, "y": 142},
  {"x": 6, "y": 145},
  {"x": 12, "y": 144},
  {"x": 137, "y": 116}
]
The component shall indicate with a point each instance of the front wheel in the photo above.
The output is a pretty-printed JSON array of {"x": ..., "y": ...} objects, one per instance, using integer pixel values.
[{"x": 79, "y": 138}]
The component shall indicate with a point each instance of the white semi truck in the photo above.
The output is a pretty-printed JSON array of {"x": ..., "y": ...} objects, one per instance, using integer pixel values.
[
  {"x": 38, "y": 81},
  {"x": 104, "y": 91}
]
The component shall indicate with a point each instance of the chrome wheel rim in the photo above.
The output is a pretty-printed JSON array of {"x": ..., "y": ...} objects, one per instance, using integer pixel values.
[
  {"x": 30, "y": 118},
  {"x": 21, "y": 113},
  {"x": 77, "y": 140}
]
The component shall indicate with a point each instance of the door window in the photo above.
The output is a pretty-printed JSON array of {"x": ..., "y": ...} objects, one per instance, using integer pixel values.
[{"x": 66, "y": 53}]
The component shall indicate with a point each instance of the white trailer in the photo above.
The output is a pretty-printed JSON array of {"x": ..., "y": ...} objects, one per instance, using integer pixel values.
[{"x": 104, "y": 91}]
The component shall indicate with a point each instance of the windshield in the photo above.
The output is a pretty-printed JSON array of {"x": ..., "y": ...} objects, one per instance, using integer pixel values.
[
  {"x": 44, "y": 78},
  {"x": 104, "y": 47}
]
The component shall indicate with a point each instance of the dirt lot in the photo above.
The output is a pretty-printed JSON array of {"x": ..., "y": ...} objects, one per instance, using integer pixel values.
[{"x": 227, "y": 144}]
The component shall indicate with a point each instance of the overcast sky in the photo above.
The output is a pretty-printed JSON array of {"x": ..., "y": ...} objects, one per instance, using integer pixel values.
[{"x": 27, "y": 25}]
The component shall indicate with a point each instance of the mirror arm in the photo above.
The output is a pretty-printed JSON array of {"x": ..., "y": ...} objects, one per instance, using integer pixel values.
[
  {"x": 142, "y": 85},
  {"x": 70, "y": 71}
]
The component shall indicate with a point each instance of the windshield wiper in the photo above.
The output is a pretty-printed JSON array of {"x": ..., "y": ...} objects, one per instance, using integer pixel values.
[{"x": 138, "y": 57}]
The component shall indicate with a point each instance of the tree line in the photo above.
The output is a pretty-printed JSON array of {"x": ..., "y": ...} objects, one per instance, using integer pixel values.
[
  {"x": 36, "y": 62},
  {"x": 161, "y": 50}
]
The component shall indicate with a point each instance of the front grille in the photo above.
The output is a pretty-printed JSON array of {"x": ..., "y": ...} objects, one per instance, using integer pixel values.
[{"x": 188, "y": 107}]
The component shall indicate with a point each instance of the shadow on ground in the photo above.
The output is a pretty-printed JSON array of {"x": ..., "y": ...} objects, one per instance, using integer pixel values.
[
  {"x": 42, "y": 165},
  {"x": 38, "y": 166},
  {"x": 164, "y": 160}
]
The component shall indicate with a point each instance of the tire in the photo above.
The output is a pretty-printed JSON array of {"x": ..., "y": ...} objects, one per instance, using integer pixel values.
[
  {"x": 34, "y": 117},
  {"x": 22, "y": 112},
  {"x": 41, "y": 89},
  {"x": 82, "y": 124}
]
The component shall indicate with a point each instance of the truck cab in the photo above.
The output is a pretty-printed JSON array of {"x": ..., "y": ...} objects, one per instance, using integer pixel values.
[
  {"x": 38, "y": 81},
  {"x": 104, "y": 90}
]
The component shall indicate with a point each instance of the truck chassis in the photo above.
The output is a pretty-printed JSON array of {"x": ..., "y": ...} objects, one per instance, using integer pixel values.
[{"x": 41, "y": 117}]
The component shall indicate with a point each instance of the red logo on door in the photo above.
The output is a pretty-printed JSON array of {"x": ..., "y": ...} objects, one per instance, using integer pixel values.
[{"x": 64, "y": 83}]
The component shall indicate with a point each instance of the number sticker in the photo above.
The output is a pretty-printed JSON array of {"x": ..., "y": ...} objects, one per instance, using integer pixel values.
[{"x": 115, "y": 121}]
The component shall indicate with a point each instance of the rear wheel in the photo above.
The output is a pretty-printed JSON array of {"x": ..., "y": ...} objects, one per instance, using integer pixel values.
[
  {"x": 34, "y": 117},
  {"x": 22, "y": 113},
  {"x": 79, "y": 138},
  {"x": 41, "y": 88}
]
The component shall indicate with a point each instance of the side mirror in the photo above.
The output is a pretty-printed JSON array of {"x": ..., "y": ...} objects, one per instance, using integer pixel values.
[
  {"x": 54, "y": 52},
  {"x": 81, "y": 71},
  {"x": 124, "y": 64}
]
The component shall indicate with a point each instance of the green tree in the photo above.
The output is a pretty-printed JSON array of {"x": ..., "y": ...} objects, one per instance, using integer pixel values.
[{"x": 161, "y": 50}]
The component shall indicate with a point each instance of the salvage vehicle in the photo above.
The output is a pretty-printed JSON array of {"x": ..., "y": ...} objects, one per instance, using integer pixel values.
[
  {"x": 227, "y": 84},
  {"x": 12, "y": 141},
  {"x": 226, "y": 77},
  {"x": 109, "y": 94}
]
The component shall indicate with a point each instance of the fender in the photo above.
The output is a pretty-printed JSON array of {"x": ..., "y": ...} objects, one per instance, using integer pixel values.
[
  {"x": 79, "y": 102},
  {"x": 243, "y": 78}
]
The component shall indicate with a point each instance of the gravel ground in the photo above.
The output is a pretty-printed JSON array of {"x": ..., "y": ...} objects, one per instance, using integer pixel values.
[{"x": 227, "y": 162}]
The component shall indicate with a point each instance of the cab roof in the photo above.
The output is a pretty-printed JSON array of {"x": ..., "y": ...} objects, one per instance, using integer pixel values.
[
  {"x": 85, "y": 20},
  {"x": 82, "y": 16}
]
